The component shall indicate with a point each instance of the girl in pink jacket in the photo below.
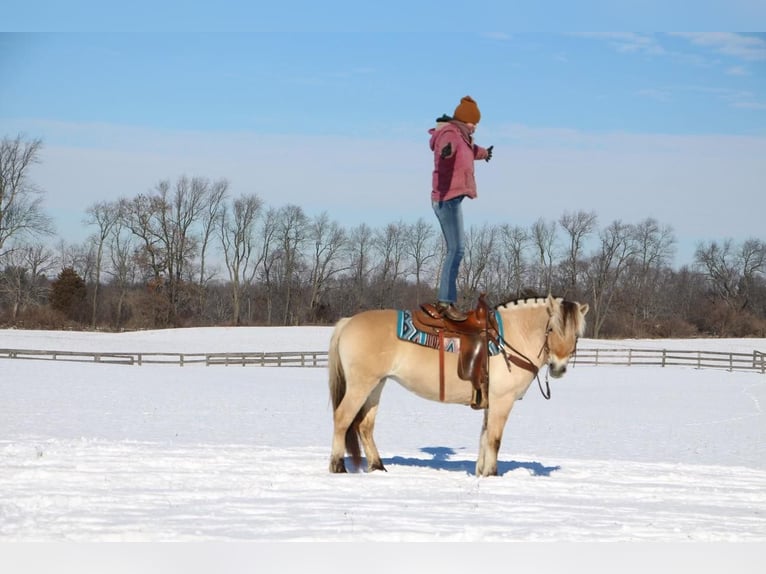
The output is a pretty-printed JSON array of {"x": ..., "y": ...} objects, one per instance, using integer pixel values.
[{"x": 453, "y": 180}]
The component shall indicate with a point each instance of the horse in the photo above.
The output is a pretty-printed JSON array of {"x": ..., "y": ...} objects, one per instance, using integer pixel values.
[{"x": 365, "y": 351}]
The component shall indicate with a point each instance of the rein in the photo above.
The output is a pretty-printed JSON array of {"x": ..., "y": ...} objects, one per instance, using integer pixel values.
[{"x": 526, "y": 363}]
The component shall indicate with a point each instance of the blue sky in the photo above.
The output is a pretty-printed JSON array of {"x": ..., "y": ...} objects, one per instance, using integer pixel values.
[{"x": 629, "y": 125}]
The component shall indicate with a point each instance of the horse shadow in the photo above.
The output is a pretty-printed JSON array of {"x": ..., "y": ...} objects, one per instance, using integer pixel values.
[{"x": 442, "y": 459}]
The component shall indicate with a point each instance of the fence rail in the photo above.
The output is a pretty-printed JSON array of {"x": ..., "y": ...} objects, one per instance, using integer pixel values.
[
  {"x": 755, "y": 361},
  {"x": 279, "y": 359}
]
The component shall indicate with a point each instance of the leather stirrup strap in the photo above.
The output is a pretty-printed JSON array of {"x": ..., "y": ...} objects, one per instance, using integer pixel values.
[{"x": 441, "y": 365}]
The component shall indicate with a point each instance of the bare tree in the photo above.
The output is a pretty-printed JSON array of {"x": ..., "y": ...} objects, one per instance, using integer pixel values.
[
  {"x": 419, "y": 247},
  {"x": 654, "y": 246},
  {"x": 360, "y": 244},
  {"x": 543, "y": 238},
  {"x": 123, "y": 266},
  {"x": 139, "y": 216},
  {"x": 21, "y": 212},
  {"x": 479, "y": 246},
  {"x": 104, "y": 216},
  {"x": 291, "y": 235},
  {"x": 578, "y": 226},
  {"x": 390, "y": 246},
  {"x": 166, "y": 223},
  {"x": 22, "y": 280},
  {"x": 730, "y": 270},
  {"x": 327, "y": 240},
  {"x": 269, "y": 257},
  {"x": 211, "y": 212},
  {"x": 79, "y": 257},
  {"x": 512, "y": 241},
  {"x": 237, "y": 229},
  {"x": 184, "y": 208},
  {"x": 752, "y": 257},
  {"x": 605, "y": 269}
]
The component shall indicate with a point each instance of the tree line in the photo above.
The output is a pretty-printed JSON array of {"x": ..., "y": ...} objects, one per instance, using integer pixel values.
[{"x": 190, "y": 253}]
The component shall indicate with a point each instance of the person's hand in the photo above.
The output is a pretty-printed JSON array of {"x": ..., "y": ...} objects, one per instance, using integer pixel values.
[
  {"x": 446, "y": 151},
  {"x": 489, "y": 153}
]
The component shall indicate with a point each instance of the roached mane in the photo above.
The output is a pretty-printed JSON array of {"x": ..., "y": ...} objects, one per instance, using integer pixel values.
[
  {"x": 525, "y": 302},
  {"x": 569, "y": 311}
]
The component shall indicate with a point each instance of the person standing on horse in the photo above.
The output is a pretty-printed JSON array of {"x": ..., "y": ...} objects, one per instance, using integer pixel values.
[{"x": 453, "y": 180}]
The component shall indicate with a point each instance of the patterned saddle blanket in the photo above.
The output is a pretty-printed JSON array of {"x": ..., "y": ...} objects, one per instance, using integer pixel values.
[{"x": 406, "y": 331}]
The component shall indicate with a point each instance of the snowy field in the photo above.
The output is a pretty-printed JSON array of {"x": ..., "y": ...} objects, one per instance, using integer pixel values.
[{"x": 111, "y": 453}]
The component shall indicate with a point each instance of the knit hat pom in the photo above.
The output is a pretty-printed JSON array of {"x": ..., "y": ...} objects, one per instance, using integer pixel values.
[{"x": 467, "y": 111}]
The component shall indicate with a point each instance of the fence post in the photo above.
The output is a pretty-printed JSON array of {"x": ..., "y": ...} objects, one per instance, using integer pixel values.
[
  {"x": 664, "y": 357},
  {"x": 756, "y": 355}
]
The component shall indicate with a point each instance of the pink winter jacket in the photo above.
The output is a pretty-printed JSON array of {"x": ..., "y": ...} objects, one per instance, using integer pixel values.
[{"x": 453, "y": 176}]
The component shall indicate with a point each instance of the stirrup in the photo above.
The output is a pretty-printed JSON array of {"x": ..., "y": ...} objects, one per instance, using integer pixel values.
[
  {"x": 451, "y": 312},
  {"x": 479, "y": 398}
]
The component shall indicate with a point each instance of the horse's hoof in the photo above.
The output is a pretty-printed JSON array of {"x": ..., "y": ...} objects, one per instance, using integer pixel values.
[
  {"x": 337, "y": 466},
  {"x": 377, "y": 466}
]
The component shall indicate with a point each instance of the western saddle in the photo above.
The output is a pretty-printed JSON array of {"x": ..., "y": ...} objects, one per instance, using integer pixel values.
[{"x": 474, "y": 336}]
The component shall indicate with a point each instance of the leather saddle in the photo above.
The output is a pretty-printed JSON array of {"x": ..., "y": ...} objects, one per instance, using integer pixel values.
[{"x": 474, "y": 336}]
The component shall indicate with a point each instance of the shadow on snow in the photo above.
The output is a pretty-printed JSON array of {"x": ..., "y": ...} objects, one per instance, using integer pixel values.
[{"x": 442, "y": 459}]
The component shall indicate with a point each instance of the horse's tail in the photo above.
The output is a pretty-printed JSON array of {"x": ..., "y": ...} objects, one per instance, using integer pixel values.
[
  {"x": 338, "y": 388},
  {"x": 335, "y": 367}
]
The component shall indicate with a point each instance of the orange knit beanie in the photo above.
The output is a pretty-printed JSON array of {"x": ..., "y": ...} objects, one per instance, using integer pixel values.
[{"x": 467, "y": 111}]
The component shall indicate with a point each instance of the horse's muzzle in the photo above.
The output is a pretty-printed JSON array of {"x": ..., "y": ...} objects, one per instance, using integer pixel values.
[{"x": 557, "y": 370}]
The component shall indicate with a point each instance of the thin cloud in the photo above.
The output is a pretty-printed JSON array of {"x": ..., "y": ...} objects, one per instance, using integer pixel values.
[
  {"x": 656, "y": 94},
  {"x": 749, "y": 105},
  {"x": 629, "y": 42},
  {"x": 743, "y": 46},
  {"x": 738, "y": 71},
  {"x": 502, "y": 36}
]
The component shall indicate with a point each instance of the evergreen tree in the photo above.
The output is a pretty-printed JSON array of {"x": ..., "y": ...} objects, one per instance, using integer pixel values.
[{"x": 68, "y": 292}]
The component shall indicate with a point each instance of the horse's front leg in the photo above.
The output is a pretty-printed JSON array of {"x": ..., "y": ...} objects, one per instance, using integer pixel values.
[
  {"x": 481, "y": 459},
  {"x": 495, "y": 417}
]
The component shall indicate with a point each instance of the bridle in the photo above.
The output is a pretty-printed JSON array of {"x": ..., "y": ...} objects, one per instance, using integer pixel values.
[{"x": 526, "y": 363}]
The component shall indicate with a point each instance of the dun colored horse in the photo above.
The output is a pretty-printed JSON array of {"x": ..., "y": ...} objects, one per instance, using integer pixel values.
[{"x": 366, "y": 350}]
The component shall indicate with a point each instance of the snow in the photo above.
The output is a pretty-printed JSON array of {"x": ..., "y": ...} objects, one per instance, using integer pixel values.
[{"x": 154, "y": 453}]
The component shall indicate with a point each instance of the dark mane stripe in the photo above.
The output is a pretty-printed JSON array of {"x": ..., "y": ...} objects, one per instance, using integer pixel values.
[
  {"x": 569, "y": 311},
  {"x": 525, "y": 301}
]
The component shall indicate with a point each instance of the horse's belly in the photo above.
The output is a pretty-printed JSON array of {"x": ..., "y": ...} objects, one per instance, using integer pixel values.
[{"x": 420, "y": 374}]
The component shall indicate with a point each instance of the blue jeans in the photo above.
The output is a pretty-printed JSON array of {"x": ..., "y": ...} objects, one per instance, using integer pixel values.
[{"x": 450, "y": 216}]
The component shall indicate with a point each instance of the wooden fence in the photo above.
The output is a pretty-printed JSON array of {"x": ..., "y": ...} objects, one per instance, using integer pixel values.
[
  {"x": 281, "y": 359},
  {"x": 755, "y": 361}
]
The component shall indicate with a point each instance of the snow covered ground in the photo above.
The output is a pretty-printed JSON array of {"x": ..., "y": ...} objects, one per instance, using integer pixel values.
[{"x": 94, "y": 453}]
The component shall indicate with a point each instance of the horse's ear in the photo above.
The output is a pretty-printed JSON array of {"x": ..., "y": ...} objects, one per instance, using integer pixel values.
[
  {"x": 584, "y": 309},
  {"x": 550, "y": 304}
]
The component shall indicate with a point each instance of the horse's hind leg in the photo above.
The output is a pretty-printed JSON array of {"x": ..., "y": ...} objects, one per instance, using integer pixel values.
[
  {"x": 342, "y": 419},
  {"x": 344, "y": 434},
  {"x": 367, "y": 426}
]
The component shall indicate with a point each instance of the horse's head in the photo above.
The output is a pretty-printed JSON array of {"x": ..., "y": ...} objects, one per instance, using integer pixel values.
[{"x": 566, "y": 323}]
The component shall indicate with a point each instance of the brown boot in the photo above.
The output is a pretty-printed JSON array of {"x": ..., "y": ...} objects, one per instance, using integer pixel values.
[
  {"x": 451, "y": 312},
  {"x": 480, "y": 397}
]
